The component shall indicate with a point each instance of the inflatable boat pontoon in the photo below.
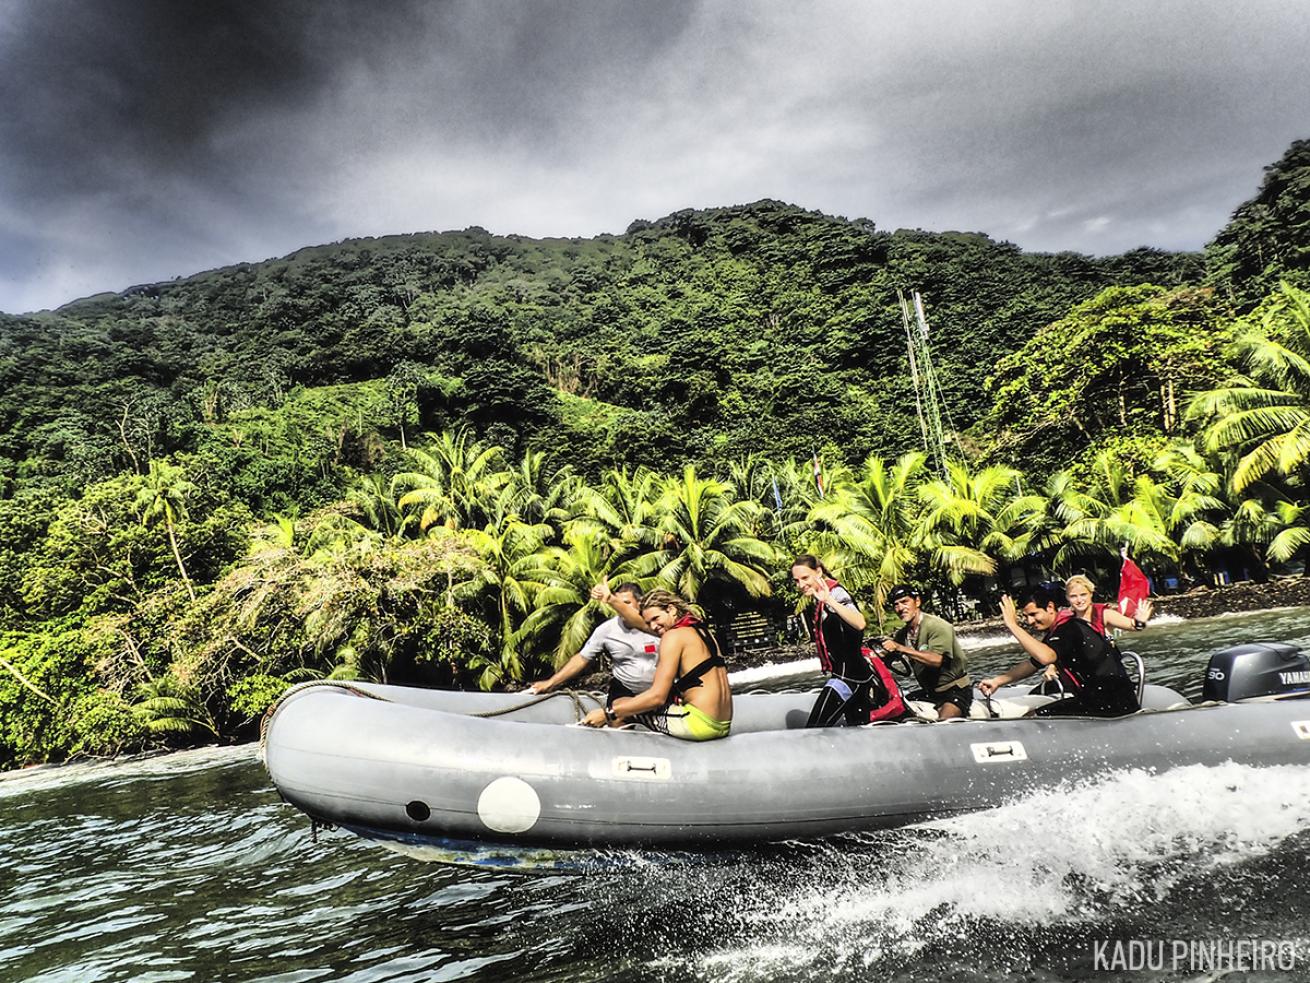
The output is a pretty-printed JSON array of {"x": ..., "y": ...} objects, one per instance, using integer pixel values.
[{"x": 414, "y": 766}]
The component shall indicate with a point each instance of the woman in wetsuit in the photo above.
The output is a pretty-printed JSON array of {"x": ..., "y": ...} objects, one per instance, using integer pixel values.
[
  {"x": 1102, "y": 617},
  {"x": 839, "y": 636},
  {"x": 690, "y": 698}
]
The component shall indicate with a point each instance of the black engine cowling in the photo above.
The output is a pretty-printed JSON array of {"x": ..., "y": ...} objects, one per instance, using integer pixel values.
[{"x": 1256, "y": 669}]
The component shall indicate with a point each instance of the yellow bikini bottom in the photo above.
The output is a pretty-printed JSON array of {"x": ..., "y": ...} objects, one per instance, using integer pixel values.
[{"x": 689, "y": 723}]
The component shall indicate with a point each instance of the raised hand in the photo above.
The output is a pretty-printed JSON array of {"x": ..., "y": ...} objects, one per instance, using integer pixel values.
[
  {"x": 1009, "y": 613},
  {"x": 822, "y": 593}
]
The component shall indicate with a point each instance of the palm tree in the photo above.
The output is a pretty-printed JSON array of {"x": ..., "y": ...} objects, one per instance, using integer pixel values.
[
  {"x": 564, "y": 614},
  {"x": 166, "y": 707},
  {"x": 1196, "y": 513},
  {"x": 1265, "y": 414},
  {"x": 1268, "y": 523},
  {"x": 973, "y": 518},
  {"x": 373, "y": 496},
  {"x": 163, "y": 499},
  {"x": 510, "y": 568},
  {"x": 1068, "y": 507},
  {"x": 623, "y": 508},
  {"x": 705, "y": 536},
  {"x": 1251, "y": 520},
  {"x": 1116, "y": 508},
  {"x": 868, "y": 526},
  {"x": 453, "y": 480},
  {"x": 786, "y": 518},
  {"x": 1294, "y": 536},
  {"x": 1143, "y": 521},
  {"x": 751, "y": 477},
  {"x": 538, "y": 495}
]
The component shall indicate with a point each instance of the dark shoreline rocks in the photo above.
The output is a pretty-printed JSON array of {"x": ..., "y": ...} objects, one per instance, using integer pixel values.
[{"x": 1206, "y": 602}]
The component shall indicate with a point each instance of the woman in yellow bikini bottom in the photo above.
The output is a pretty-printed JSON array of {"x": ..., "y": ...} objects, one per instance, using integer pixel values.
[{"x": 689, "y": 661}]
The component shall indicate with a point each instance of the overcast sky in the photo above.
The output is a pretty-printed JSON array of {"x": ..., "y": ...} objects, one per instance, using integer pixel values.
[{"x": 146, "y": 139}]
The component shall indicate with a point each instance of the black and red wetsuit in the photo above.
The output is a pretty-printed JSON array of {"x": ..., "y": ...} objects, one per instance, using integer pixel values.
[
  {"x": 854, "y": 686},
  {"x": 1091, "y": 672}
]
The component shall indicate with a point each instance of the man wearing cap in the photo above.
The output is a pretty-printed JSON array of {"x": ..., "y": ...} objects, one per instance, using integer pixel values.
[{"x": 929, "y": 643}]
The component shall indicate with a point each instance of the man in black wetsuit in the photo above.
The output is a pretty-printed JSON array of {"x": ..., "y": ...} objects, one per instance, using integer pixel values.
[{"x": 1087, "y": 664}]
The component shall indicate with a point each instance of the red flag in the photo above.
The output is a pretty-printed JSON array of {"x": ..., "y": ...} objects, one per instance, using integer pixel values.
[{"x": 1133, "y": 587}]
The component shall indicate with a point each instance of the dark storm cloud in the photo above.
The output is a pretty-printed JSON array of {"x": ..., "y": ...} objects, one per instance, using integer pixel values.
[
  {"x": 95, "y": 88},
  {"x": 92, "y": 89},
  {"x": 233, "y": 129},
  {"x": 143, "y": 139},
  {"x": 117, "y": 117},
  {"x": 1098, "y": 126}
]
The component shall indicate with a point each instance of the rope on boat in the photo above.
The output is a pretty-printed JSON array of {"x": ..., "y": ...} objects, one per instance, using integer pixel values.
[
  {"x": 580, "y": 709},
  {"x": 336, "y": 683}
]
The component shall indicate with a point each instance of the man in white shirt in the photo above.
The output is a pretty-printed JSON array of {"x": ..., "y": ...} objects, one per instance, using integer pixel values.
[{"x": 633, "y": 651}]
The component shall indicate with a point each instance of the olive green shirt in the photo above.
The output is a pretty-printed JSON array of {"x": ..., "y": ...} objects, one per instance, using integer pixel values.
[{"x": 936, "y": 635}]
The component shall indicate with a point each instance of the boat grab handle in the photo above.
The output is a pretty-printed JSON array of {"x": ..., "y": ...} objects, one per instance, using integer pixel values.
[
  {"x": 1043, "y": 687},
  {"x": 1141, "y": 672}
]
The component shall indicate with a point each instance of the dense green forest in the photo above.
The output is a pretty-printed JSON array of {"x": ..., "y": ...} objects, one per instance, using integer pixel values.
[{"x": 408, "y": 458}]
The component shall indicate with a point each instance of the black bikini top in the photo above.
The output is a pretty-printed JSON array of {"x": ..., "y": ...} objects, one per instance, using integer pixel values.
[{"x": 694, "y": 676}]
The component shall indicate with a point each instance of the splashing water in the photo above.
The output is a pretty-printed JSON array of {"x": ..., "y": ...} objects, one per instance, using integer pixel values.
[
  {"x": 772, "y": 671},
  {"x": 1056, "y": 865},
  {"x": 187, "y": 867}
]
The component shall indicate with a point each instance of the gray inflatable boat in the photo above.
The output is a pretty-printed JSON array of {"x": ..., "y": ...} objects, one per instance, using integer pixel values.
[{"x": 424, "y": 767}]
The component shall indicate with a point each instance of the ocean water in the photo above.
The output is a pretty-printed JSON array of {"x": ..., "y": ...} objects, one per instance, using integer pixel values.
[{"x": 188, "y": 867}]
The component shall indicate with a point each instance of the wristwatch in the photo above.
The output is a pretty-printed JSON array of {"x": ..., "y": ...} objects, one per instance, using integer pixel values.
[
  {"x": 1138, "y": 624},
  {"x": 610, "y": 715}
]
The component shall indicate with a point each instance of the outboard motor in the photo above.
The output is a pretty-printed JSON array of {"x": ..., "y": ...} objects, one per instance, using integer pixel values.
[{"x": 1256, "y": 669}]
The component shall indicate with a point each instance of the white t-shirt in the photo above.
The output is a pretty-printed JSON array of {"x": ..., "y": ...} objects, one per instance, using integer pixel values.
[{"x": 633, "y": 653}]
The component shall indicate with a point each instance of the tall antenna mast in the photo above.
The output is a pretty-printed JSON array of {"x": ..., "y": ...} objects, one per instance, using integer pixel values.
[
  {"x": 914, "y": 366},
  {"x": 934, "y": 416}
]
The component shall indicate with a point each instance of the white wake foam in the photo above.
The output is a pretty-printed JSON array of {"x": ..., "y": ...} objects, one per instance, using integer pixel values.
[
  {"x": 773, "y": 670},
  {"x": 1067, "y": 855},
  {"x": 972, "y": 643},
  {"x": 1254, "y": 611},
  {"x": 123, "y": 769}
]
